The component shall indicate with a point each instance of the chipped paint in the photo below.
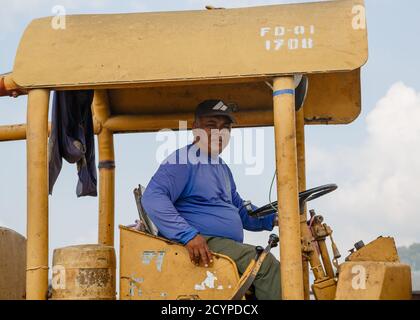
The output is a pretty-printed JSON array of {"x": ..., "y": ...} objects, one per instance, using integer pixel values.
[
  {"x": 148, "y": 256},
  {"x": 211, "y": 278},
  {"x": 58, "y": 277},
  {"x": 199, "y": 287},
  {"x": 220, "y": 287},
  {"x": 94, "y": 277},
  {"x": 134, "y": 285},
  {"x": 131, "y": 289},
  {"x": 159, "y": 260},
  {"x": 208, "y": 282},
  {"x": 137, "y": 280}
]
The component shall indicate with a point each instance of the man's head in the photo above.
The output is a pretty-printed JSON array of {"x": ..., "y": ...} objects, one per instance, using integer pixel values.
[{"x": 212, "y": 126}]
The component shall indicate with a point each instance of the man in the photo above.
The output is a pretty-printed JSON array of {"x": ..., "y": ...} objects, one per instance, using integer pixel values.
[{"x": 192, "y": 199}]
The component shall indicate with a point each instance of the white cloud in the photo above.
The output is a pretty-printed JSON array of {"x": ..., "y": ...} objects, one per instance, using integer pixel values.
[{"x": 379, "y": 192}]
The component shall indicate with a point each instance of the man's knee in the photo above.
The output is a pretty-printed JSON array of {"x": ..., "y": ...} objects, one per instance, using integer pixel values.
[
  {"x": 241, "y": 253},
  {"x": 245, "y": 254}
]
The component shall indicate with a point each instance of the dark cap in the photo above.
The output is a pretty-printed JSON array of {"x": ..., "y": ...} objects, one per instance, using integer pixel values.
[{"x": 209, "y": 108}]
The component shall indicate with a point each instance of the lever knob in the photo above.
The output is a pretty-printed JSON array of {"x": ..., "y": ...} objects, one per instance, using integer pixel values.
[{"x": 273, "y": 240}]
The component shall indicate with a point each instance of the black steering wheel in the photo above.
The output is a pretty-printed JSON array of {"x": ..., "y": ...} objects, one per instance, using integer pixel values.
[{"x": 304, "y": 197}]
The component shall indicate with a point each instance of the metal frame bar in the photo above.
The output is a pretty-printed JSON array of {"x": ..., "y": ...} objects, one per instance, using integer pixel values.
[
  {"x": 301, "y": 163},
  {"x": 287, "y": 188},
  {"x": 106, "y": 220},
  {"x": 37, "y": 195}
]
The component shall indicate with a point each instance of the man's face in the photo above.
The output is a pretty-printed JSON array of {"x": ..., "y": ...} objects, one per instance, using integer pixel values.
[{"x": 213, "y": 133}]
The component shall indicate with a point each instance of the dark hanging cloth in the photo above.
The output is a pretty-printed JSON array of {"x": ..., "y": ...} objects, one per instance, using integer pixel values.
[{"x": 72, "y": 138}]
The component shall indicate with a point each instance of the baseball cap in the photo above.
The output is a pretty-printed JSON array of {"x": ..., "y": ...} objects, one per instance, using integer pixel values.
[{"x": 215, "y": 107}]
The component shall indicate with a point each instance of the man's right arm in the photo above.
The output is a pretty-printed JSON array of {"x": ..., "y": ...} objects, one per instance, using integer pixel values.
[{"x": 158, "y": 200}]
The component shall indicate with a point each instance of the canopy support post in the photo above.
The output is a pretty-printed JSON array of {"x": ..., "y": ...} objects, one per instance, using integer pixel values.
[
  {"x": 300, "y": 145},
  {"x": 106, "y": 188},
  {"x": 37, "y": 195},
  {"x": 287, "y": 188},
  {"x": 101, "y": 110}
]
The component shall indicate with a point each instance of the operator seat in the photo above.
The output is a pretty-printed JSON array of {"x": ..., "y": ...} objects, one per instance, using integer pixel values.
[
  {"x": 146, "y": 222},
  {"x": 147, "y": 226},
  {"x": 152, "y": 267}
]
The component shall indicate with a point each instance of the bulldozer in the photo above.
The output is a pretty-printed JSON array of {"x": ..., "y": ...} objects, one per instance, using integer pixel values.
[{"x": 148, "y": 71}]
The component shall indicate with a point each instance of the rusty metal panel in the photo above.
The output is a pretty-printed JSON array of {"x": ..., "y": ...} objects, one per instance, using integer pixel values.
[
  {"x": 152, "y": 268},
  {"x": 84, "y": 272},
  {"x": 161, "y": 47}
]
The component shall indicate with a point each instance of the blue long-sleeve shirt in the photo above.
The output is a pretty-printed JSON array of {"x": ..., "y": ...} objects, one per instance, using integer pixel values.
[{"x": 189, "y": 194}]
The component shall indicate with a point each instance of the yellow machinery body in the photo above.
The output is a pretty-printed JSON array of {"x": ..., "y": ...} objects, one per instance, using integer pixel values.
[
  {"x": 148, "y": 72},
  {"x": 153, "y": 268},
  {"x": 374, "y": 273},
  {"x": 374, "y": 280}
]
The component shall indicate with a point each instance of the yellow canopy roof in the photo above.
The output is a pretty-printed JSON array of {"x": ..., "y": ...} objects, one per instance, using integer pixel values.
[
  {"x": 191, "y": 45},
  {"x": 166, "y": 62}
]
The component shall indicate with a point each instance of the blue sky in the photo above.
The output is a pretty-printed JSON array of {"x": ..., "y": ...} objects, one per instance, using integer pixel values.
[{"x": 375, "y": 160}]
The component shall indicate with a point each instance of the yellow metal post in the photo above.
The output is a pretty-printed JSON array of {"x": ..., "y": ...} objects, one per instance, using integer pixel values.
[
  {"x": 300, "y": 145},
  {"x": 106, "y": 188},
  {"x": 106, "y": 170},
  {"x": 37, "y": 195},
  {"x": 287, "y": 188}
]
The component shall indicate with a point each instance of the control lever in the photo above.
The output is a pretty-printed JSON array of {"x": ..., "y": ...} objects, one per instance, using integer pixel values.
[
  {"x": 253, "y": 268},
  {"x": 321, "y": 231}
]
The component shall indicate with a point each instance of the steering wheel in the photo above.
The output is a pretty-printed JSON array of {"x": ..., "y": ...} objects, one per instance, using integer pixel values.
[{"x": 304, "y": 197}]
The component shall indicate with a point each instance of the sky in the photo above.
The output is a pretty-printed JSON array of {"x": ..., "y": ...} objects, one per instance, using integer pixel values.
[{"x": 375, "y": 161}]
